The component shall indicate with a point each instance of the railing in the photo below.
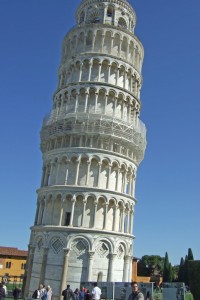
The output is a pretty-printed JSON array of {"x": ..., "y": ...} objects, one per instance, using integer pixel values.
[
  {"x": 94, "y": 114},
  {"x": 104, "y": 126}
]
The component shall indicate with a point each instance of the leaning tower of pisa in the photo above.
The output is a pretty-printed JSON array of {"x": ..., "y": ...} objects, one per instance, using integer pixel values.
[{"x": 92, "y": 143}]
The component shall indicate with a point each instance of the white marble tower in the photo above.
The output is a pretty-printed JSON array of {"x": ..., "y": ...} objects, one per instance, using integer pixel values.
[{"x": 92, "y": 143}]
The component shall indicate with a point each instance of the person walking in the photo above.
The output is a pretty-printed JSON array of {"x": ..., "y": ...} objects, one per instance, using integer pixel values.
[
  {"x": 96, "y": 292},
  {"x": 136, "y": 294},
  {"x": 2, "y": 292}
]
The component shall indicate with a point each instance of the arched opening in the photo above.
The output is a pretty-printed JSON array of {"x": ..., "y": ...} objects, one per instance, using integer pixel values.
[
  {"x": 122, "y": 23},
  {"x": 100, "y": 277}
]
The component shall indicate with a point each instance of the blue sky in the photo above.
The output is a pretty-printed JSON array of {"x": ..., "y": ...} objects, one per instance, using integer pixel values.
[{"x": 168, "y": 180}]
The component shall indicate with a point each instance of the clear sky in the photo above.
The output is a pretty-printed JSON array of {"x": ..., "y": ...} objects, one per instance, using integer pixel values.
[{"x": 168, "y": 180}]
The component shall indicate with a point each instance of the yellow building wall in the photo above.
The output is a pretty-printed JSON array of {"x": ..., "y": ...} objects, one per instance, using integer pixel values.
[{"x": 17, "y": 267}]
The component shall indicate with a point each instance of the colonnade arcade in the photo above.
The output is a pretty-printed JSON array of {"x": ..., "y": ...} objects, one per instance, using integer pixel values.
[
  {"x": 110, "y": 42},
  {"x": 117, "y": 145},
  {"x": 98, "y": 212},
  {"x": 86, "y": 251},
  {"x": 101, "y": 70},
  {"x": 107, "y": 13},
  {"x": 95, "y": 100},
  {"x": 91, "y": 171}
]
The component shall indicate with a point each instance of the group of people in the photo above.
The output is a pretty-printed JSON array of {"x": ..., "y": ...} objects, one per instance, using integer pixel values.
[
  {"x": 43, "y": 293},
  {"x": 82, "y": 294},
  {"x": 4, "y": 291}
]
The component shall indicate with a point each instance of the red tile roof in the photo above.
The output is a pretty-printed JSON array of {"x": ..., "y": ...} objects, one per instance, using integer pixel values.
[{"x": 10, "y": 251}]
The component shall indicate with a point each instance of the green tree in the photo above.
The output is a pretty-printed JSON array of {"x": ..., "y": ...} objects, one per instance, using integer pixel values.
[
  {"x": 166, "y": 267},
  {"x": 188, "y": 258},
  {"x": 149, "y": 264},
  {"x": 181, "y": 271},
  {"x": 171, "y": 273},
  {"x": 190, "y": 254},
  {"x": 185, "y": 272}
]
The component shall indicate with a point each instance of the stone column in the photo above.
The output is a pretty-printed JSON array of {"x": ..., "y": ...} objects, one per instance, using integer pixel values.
[
  {"x": 44, "y": 212},
  {"x": 67, "y": 169},
  {"x": 126, "y": 268},
  {"x": 90, "y": 264},
  {"x": 86, "y": 101},
  {"x": 96, "y": 98},
  {"x": 104, "y": 14},
  {"x": 115, "y": 219},
  {"x": 109, "y": 69},
  {"x": 131, "y": 82},
  {"x": 77, "y": 171},
  {"x": 37, "y": 214},
  {"x": 131, "y": 222},
  {"x": 58, "y": 171},
  {"x": 44, "y": 263},
  {"x": 99, "y": 172},
  {"x": 120, "y": 47},
  {"x": 122, "y": 220},
  {"x": 115, "y": 105},
  {"x": 83, "y": 218},
  {"x": 125, "y": 80},
  {"x": 122, "y": 115},
  {"x": 105, "y": 216},
  {"x": 64, "y": 272},
  {"x": 76, "y": 102},
  {"x": 128, "y": 221},
  {"x": 110, "y": 268},
  {"x": 29, "y": 266},
  {"x": 99, "y": 73},
  {"x": 128, "y": 112},
  {"x": 93, "y": 41},
  {"x": 125, "y": 182},
  {"x": 61, "y": 214},
  {"x": 43, "y": 176},
  {"x": 117, "y": 179},
  {"x": 95, "y": 212},
  {"x": 90, "y": 69},
  {"x": 80, "y": 72},
  {"x": 106, "y": 101},
  {"x": 117, "y": 77},
  {"x": 130, "y": 269},
  {"x": 84, "y": 43},
  {"x": 108, "y": 178},
  {"x": 102, "y": 43},
  {"x": 88, "y": 172},
  {"x": 72, "y": 212},
  {"x": 46, "y": 176}
]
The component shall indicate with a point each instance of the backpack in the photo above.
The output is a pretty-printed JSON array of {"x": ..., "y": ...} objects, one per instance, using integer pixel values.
[{"x": 34, "y": 296}]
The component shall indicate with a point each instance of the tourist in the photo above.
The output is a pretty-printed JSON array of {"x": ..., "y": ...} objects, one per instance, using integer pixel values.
[
  {"x": 96, "y": 292},
  {"x": 5, "y": 288},
  {"x": 88, "y": 295},
  {"x": 16, "y": 293},
  {"x": 67, "y": 293},
  {"x": 49, "y": 293},
  {"x": 81, "y": 295},
  {"x": 2, "y": 292},
  {"x": 136, "y": 294},
  {"x": 76, "y": 294}
]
